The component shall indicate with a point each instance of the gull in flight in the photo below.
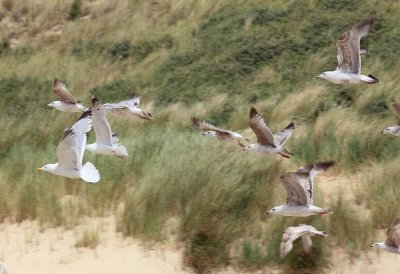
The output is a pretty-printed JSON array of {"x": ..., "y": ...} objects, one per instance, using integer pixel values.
[
  {"x": 106, "y": 142},
  {"x": 267, "y": 142},
  {"x": 70, "y": 152},
  {"x": 292, "y": 233},
  {"x": 128, "y": 107},
  {"x": 395, "y": 130},
  {"x": 299, "y": 188},
  {"x": 348, "y": 70},
  {"x": 67, "y": 102},
  {"x": 218, "y": 133},
  {"x": 392, "y": 243}
]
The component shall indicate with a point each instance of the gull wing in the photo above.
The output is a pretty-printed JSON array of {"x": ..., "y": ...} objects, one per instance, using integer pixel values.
[
  {"x": 297, "y": 195},
  {"x": 101, "y": 126},
  {"x": 71, "y": 148},
  {"x": 263, "y": 133},
  {"x": 282, "y": 136},
  {"x": 204, "y": 126},
  {"x": 396, "y": 108},
  {"x": 393, "y": 234},
  {"x": 60, "y": 90},
  {"x": 348, "y": 47}
]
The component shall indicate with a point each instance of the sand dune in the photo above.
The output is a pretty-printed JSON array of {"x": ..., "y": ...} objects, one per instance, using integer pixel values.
[{"x": 25, "y": 249}]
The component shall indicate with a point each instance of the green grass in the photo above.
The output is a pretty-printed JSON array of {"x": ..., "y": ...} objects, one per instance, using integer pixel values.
[{"x": 212, "y": 59}]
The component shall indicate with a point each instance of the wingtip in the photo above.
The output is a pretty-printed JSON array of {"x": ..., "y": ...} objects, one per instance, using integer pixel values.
[
  {"x": 95, "y": 100},
  {"x": 253, "y": 111},
  {"x": 87, "y": 113},
  {"x": 290, "y": 126}
]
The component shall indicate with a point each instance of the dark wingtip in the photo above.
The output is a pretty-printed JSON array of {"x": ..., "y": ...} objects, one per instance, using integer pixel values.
[
  {"x": 253, "y": 111},
  {"x": 87, "y": 113},
  {"x": 135, "y": 94},
  {"x": 373, "y": 77},
  {"x": 326, "y": 165},
  {"x": 290, "y": 126},
  {"x": 195, "y": 121},
  {"x": 115, "y": 135},
  {"x": 95, "y": 100}
]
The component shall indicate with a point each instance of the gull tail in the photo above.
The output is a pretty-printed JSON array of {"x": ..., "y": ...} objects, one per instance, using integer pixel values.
[
  {"x": 120, "y": 151},
  {"x": 374, "y": 79},
  {"x": 89, "y": 173}
]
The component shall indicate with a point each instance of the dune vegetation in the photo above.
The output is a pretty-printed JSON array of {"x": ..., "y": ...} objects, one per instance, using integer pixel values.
[{"x": 213, "y": 59}]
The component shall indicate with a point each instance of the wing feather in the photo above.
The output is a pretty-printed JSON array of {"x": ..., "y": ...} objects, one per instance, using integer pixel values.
[
  {"x": 393, "y": 234},
  {"x": 348, "y": 47},
  {"x": 101, "y": 126},
  {"x": 296, "y": 194},
  {"x": 263, "y": 133},
  {"x": 60, "y": 90}
]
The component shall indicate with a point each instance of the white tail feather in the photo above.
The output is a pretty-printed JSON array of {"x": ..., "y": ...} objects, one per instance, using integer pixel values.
[
  {"x": 89, "y": 173},
  {"x": 121, "y": 151}
]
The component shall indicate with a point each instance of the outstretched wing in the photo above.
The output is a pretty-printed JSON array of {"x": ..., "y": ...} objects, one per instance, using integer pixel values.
[
  {"x": 101, "y": 126},
  {"x": 71, "y": 148},
  {"x": 282, "y": 136},
  {"x": 62, "y": 92},
  {"x": 263, "y": 133},
  {"x": 393, "y": 234},
  {"x": 348, "y": 47},
  {"x": 296, "y": 194}
]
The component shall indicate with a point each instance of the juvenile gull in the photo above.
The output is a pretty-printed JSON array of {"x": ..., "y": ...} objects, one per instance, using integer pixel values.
[
  {"x": 267, "y": 142},
  {"x": 70, "y": 152},
  {"x": 293, "y": 232},
  {"x": 299, "y": 188},
  {"x": 392, "y": 243},
  {"x": 348, "y": 70},
  {"x": 128, "y": 107},
  {"x": 67, "y": 102},
  {"x": 106, "y": 142},
  {"x": 395, "y": 130},
  {"x": 218, "y": 133}
]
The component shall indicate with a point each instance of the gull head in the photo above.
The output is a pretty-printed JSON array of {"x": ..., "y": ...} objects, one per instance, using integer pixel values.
[
  {"x": 327, "y": 75},
  {"x": 378, "y": 245},
  {"x": 389, "y": 130},
  {"x": 210, "y": 132},
  {"x": 47, "y": 168},
  {"x": 250, "y": 147},
  {"x": 52, "y": 104},
  {"x": 275, "y": 210}
]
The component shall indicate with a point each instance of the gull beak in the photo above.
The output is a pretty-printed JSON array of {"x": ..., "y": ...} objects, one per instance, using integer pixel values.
[
  {"x": 267, "y": 213},
  {"x": 204, "y": 134},
  {"x": 316, "y": 77},
  {"x": 371, "y": 246},
  {"x": 39, "y": 169}
]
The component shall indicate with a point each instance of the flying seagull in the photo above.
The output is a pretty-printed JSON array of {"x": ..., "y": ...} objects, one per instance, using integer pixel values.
[
  {"x": 67, "y": 102},
  {"x": 106, "y": 142},
  {"x": 267, "y": 142},
  {"x": 293, "y": 232},
  {"x": 392, "y": 243},
  {"x": 128, "y": 107},
  {"x": 218, "y": 133},
  {"x": 70, "y": 152},
  {"x": 348, "y": 70},
  {"x": 299, "y": 188},
  {"x": 395, "y": 130}
]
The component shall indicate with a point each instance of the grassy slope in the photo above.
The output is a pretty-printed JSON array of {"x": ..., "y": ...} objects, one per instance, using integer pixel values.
[{"x": 208, "y": 58}]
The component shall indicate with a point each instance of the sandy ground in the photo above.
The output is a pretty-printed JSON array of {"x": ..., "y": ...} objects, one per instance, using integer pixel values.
[{"x": 24, "y": 249}]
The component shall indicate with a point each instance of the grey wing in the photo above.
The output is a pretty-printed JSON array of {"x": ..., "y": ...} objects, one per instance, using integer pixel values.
[
  {"x": 296, "y": 194},
  {"x": 348, "y": 46},
  {"x": 393, "y": 234},
  {"x": 134, "y": 101},
  {"x": 204, "y": 126},
  {"x": 282, "y": 136},
  {"x": 101, "y": 126},
  {"x": 307, "y": 243},
  {"x": 286, "y": 243},
  {"x": 61, "y": 91},
  {"x": 68, "y": 153},
  {"x": 263, "y": 133},
  {"x": 82, "y": 126}
]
